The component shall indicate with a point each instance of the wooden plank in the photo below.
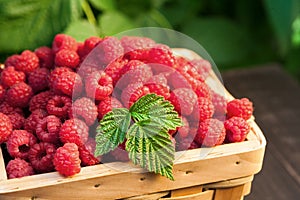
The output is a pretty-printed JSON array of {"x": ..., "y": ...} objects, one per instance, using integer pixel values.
[
  {"x": 3, "y": 175},
  {"x": 149, "y": 196},
  {"x": 206, "y": 195},
  {"x": 186, "y": 191},
  {"x": 233, "y": 193}
]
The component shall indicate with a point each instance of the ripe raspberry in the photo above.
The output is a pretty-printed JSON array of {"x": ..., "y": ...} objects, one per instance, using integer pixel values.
[
  {"x": 220, "y": 104},
  {"x": 57, "y": 72},
  {"x": 67, "y": 58},
  {"x": 161, "y": 54},
  {"x": 27, "y": 62},
  {"x": 178, "y": 80},
  {"x": 90, "y": 145},
  {"x": 19, "y": 143},
  {"x": 162, "y": 90},
  {"x": 90, "y": 43},
  {"x": 98, "y": 85},
  {"x": 47, "y": 129},
  {"x": 237, "y": 129},
  {"x": 11, "y": 60},
  {"x": 39, "y": 101},
  {"x": 109, "y": 49},
  {"x": 63, "y": 41},
  {"x": 132, "y": 43},
  {"x": 5, "y": 127},
  {"x": 203, "y": 109},
  {"x": 33, "y": 119},
  {"x": 240, "y": 108},
  {"x": 18, "y": 168},
  {"x": 186, "y": 142},
  {"x": 46, "y": 57},
  {"x": 69, "y": 83},
  {"x": 184, "y": 100},
  {"x": 9, "y": 76},
  {"x": 17, "y": 120},
  {"x": 87, "y": 158},
  {"x": 41, "y": 155},
  {"x": 132, "y": 93},
  {"x": 85, "y": 109},
  {"x": 85, "y": 70},
  {"x": 80, "y": 50},
  {"x": 211, "y": 132},
  {"x": 59, "y": 106},
  {"x": 2, "y": 93},
  {"x": 202, "y": 66},
  {"x": 7, "y": 109},
  {"x": 37, "y": 79},
  {"x": 114, "y": 68},
  {"x": 183, "y": 131},
  {"x": 66, "y": 160},
  {"x": 75, "y": 131},
  {"x": 203, "y": 90},
  {"x": 107, "y": 105},
  {"x": 19, "y": 95},
  {"x": 119, "y": 153},
  {"x": 159, "y": 79}
]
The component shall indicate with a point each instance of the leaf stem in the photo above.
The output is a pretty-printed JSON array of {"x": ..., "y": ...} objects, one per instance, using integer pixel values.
[{"x": 89, "y": 13}]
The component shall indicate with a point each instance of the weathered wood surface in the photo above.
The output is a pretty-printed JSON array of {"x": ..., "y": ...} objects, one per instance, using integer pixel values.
[{"x": 276, "y": 97}]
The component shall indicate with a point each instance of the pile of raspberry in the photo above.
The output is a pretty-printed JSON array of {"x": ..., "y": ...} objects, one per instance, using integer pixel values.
[{"x": 52, "y": 99}]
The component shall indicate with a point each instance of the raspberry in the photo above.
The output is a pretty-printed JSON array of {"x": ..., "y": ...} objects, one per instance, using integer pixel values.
[
  {"x": 183, "y": 131},
  {"x": 203, "y": 90},
  {"x": 17, "y": 120},
  {"x": 5, "y": 127},
  {"x": 120, "y": 154},
  {"x": 240, "y": 108},
  {"x": 114, "y": 68},
  {"x": 132, "y": 93},
  {"x": 220, "y": 104},
  {"x": 59, "y": 106},
  {"x": 90, "y": 145},
  {"x": 87, "y": 158},
  {"x": 68, "y": 83},
  {"x": 98, "y": 85},
  {"x": 158, "y": 79},
  {"x": 203, "y": 110},
  {"x": 46, "y": 57},
  {"x": 80, "y": 50},
  {"x": 27, "y": 62},
  {"x": 7, "y": 109},
  {"x": 9, "y": 76},
  {"x": 39, "y": 101},
  {"x": 19, "y": 95},
  {"x": 47, "y": 129},
  {"x": 161, "y": 54},
  {"x": 19, "y": 143},
  {"x": 33, "y": 119},
  {"x": 85, "y": 109},
  {"x": 211, "y": 132},
  {"x": 202, "y": 66},
  {"x": 40, "y": 156},
  {"x": 184, "y": 100},
  {"x": 132, "y": 43},
  {"x": 109, "y": 49},
  {"x": 63, "y": 41},
  {"x": 11, "y": 60},
  {"x": 85, "y": 70},
  {"x": 75, "y": 131},
  {"x": 177, "y": 80},
  {"x": 18, "y": 168},
  {"x": 90, "y": 43},
  {"x": 57, "y": 72},
  {"x": 67, "y": 58},
  {"x": 107, "y": 105},
  {"x": 237, "y": 129},
  {"x": 162, "y": 90},
  {"x": 66, "y": 160},
  {"x": 2, "y": 93},
  {"x": 37, "y": 79}
]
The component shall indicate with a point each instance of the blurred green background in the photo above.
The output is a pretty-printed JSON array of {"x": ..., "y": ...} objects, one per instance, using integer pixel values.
[{"x": 236, "y": 33}]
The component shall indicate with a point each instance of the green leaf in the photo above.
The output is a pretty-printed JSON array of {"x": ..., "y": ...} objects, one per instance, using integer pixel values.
[
  {"x": 111, "y": 131},
  {"x": 81, "y": 30},
  {"x": 30, "y": 24},
  {"x": 149, "y": 146},
  {"x": 104, "y": 4},
  {"x": 157, "y": 110}
]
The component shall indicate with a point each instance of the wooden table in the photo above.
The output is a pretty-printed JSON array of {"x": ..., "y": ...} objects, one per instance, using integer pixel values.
[{"x": 276, "y": 97}]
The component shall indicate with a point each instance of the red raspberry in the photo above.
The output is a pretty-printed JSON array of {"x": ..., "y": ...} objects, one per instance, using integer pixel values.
[
  {"x": 63, "y": 41},
  {"x": 98, "y": 85},
  {"x": 184, "y": 100},
  {"x": 19, "y": 143},
  {"x": 80, "y": 50},
  {"x": 46, "y": 57},
  {"x": 85, "y": 109},
  {"x": 7, "y": 109},
  {"x": 5, "y": 127},
  {"x": 19, "y": 95},
  {"x": 27, "y": 62},
  {"x": 132, "y": 43},
  {"x": 67, "y": 58},
  {"x": 66, "y": 160},
  {"x": 85, "y": 70},
  {"x": 47, "y": 129},
  {"x": 33, "y": 119},
  {"x": 9, "y": 76},
  {"x": 203, "y": 90},
  {"x": 237, "y": 129},
  {"x": 211, "y": 132},
  {"x": 107, "y": 105},
  {"x": 202, "y": 66},
  {"x": 132, "y": 93},
  {"x": 90, "y": 43},
  {"x": 162, "y": 90},
  {"x": 220, "y": 104},
  {"x": 11, "y": 60},
  {"x": 59, "y": 106},
  {"x": 183, "y": 131},
  {"x": 114, "y": 68},
  {"x": 37, "y": 79},
  {"x": 240, "y": 108},
  {"x": 203, "y": 110},
  {"x": 41, "y": 155},
  {"x": 87, "y": 158},
  {"x": 55, "y": 74},
  {"x": 90, "y": 145},
  {"x": 75, "y": 131},
  {"x": 119, "y": 153},
  {"x": 39, "y": 101},
  {"x": 2, "y": 93},
  {"x": 18, "y": 168},
  {"x": 177, "y": 80},
  {"x": 109, "y": 49},
  {"x": 159, "y": 79},
  {"x": 17, "y": 120},
  {"x": 186, "y": 144}
]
